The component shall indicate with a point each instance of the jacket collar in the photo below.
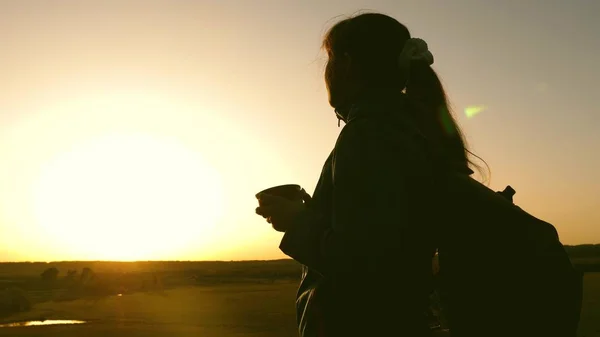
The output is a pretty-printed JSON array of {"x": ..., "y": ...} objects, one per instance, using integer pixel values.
[{"x": 374, "y": 102}]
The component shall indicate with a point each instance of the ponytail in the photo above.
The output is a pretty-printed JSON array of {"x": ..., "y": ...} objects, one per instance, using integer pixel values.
[{"x": 431, "y": 111}]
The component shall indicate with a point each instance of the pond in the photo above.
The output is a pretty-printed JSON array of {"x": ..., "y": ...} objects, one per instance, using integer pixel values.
[{"x": 44, "y": 322}]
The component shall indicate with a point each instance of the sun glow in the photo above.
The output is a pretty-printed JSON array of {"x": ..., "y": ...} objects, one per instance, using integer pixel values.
[{"x": 127, "y": 196}]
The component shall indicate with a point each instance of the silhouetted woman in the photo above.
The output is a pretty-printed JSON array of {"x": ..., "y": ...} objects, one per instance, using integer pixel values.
[{"x": 366, "y": 238}]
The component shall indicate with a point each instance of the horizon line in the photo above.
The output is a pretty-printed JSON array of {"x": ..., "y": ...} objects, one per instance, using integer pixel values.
[{"x": 140, "y": 261}]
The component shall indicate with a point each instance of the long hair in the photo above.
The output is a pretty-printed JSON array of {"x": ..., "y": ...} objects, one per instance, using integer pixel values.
[{"x": 374, "y": 42}]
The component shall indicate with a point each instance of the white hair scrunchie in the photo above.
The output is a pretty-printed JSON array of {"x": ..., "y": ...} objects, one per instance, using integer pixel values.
[{"x": 415, "y": 49}]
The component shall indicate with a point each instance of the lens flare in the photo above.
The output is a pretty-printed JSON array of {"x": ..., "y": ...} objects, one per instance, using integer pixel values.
[{"x": 473, "y": 110}]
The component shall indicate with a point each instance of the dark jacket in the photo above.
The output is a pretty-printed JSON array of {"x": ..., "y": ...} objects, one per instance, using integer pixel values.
[{"x": 366, "y": 240}]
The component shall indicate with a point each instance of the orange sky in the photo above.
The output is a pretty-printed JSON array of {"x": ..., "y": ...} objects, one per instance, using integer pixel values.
[{"x": 142, "y": 129}]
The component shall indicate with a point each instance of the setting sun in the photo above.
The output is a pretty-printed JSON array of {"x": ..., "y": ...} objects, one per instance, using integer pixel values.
[{"x": 127, "y": 197}]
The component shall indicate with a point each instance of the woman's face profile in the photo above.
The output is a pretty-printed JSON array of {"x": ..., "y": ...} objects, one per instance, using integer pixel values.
[{"x": 337, "y": 79}]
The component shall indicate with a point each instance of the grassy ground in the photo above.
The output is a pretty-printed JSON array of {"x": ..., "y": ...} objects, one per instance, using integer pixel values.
[
  {"x": 219, "y": 311},
  {"x": 247, "y": 307},
  {"x": 590, "y": 315}
]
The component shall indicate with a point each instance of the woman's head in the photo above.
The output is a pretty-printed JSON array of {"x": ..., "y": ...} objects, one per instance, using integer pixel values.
[
  {"x": 363, "y": 55},
  {"x": 363, "y": 52}
]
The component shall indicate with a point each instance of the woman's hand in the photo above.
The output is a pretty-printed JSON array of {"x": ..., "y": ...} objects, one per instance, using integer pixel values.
[{"x": 280, "y": 212}]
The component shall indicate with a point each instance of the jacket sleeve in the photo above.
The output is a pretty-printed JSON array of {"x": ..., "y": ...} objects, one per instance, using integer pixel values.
[{"x": 369, "y": 207}]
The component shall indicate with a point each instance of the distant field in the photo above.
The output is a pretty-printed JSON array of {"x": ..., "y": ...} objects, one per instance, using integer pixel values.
[
  {"x": 590, "y": 314},
  {"x": 220, "y": 311},
  {"x": 200, "y": 299}
]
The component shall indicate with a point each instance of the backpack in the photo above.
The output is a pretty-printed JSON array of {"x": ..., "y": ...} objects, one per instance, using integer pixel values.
[{"x": 503, "y": 272}]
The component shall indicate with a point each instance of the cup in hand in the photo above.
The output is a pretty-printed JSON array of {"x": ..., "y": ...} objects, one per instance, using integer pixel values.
[{"x": 290, "y": 192}]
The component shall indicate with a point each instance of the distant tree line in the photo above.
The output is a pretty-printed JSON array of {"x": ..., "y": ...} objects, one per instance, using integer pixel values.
[
  {"x": 584, "y": 251},
  {"x": 50, "y": 274}
]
